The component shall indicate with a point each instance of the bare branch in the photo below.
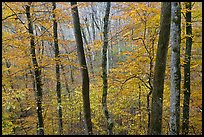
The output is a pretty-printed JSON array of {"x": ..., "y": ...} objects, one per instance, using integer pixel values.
[
  {"x": 10, "y": 16},
  {"x": 134, "y": 76},
  {"x": 16, "y": 15}
]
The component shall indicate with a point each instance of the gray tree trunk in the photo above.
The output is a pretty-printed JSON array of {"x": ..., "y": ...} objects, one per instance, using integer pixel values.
[
  {"x": 175, "y": 68},
  {"x": 83, "y": 68},
  {"x": 58, "y": 86},
  {"x": 104, "y": 69},
  {"x": 187, "y": 92},
  {"x": 37, "y": 71},
  {"x": 159, "y": 70}
]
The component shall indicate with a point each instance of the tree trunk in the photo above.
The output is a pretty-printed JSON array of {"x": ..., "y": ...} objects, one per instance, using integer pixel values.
[
  {"x": 148, "y": 113},
  {"x": 13, "y": 119},
  {"x": 139, "y": 108},
  {"x": 83, "y": 68},
  {"x": 93, "y": 28},
  {"x": 150, "y": 89},
  {"x": 58, "y": 86},
  {"x": 159, "y": 71},
  {"x": 70, "y": 67},
  {"x": 37, "y": 70},
  {"x": 175, "y": 68},
  {"x": 104, "y": 69},
  {"x": 89, "y": 51},
  {"x": 66, "y": 80},
  {"x": 187, "y": 92}
]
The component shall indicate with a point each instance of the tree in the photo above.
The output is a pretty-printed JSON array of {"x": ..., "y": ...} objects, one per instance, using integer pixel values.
[
  {"x": 175, "y": 68},
  {"x": 133, "y": 35},
  {"x": 159, "y": 70},
  {"x": 104, "y": 70},
  {"x": 83, "y": 68},
  {"x": 37, "y": 70},
  {"x": 58, "y": 86},
  {"x": 88, "y": 51},
  {"x": 187, "y": 80}
]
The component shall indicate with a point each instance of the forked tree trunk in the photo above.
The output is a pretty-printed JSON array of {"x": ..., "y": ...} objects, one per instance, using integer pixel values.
[
  {"x": 83, "y": 68},
  {"x": 88, "y": 51}
]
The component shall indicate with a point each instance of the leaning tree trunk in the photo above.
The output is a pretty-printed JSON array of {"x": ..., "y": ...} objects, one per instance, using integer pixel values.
[
  {"x": 83, "y": 68},
  {"x": 37, "y": 70},
  {"x": 104, "y": 69},
  {"x": 58, "y": 86},
  {"x": 187, "y": 81},
  {"x": 175, "y": 68},
  {"x": 159, "y": 72}
]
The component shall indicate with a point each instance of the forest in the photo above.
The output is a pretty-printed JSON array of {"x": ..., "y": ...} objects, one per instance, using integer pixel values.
[{"x": 102, "y": 68}]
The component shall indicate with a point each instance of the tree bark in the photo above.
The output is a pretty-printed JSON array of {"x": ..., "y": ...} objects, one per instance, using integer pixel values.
[
  {"x": 175, "y": 68},
  {"x": 58, "y": 86},
  {"x": 37, "y": 71},
  {"x": 104, "y": 69},
  {"x": 159, "y": 71},
  {"x": 187, "y": 79},
  {"x": 83, "y": 68}
]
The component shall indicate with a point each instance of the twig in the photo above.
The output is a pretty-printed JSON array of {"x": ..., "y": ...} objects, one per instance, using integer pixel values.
[
  {"x": 10, "y": 16},
  {"x": 16, "y": 15},
  {"x": 134, "y": 76}
]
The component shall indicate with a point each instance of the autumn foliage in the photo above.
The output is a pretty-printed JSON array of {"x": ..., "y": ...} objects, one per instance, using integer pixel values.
[{"x": 133, "y": 36}]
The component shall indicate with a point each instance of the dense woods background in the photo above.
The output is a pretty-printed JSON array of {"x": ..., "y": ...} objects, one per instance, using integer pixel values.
[{"x": 96, "y": 67}]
